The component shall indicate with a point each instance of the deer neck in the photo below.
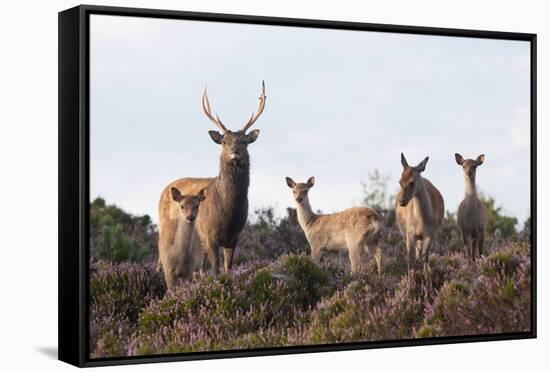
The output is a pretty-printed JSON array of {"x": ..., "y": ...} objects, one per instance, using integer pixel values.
[
  {"x": 232, "y": 183},
  {"x": 470, "y": 187},
  {"x": 423, "y": 201},
  {"x": 305, "y": 214},
  {"x": 183, "y": 236}
]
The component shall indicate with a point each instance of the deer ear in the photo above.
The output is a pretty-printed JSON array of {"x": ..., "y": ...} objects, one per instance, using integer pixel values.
[
  {"x": 404, "y": 161},
  {"x": 311, "y": 181},
  {"x": 176, "y": 195},
  {"x": 202, "y": 195},
  {"x": 422, "y": 165},
  {"x": 291, "y": 184},
  {"x": 252, "y": 136},
  {"x": 216, "y": 136},
  {"x": 480, "y": 159},
  {"x": 459, "y": 159}
]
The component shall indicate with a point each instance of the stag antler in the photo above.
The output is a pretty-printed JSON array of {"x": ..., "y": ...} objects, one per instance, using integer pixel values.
[
  {"x": 256, "y": 115},
  {"x": 206, "y": 108}
]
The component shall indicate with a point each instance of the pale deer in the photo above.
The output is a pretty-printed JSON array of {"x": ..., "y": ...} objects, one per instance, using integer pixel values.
[
  {"x": 419, "y": 210},
  {"x": 179, "y": 251},
  {"x": 356, "y": 230},
  {"x": 224, "y": 212},
  {"x": 472, "y": 213}
]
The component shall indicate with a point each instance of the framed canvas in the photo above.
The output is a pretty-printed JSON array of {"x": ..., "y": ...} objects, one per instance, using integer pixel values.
[{"x": 235, "y": 186}]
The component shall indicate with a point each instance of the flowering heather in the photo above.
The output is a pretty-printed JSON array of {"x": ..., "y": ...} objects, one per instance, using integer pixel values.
[
  {"x": 292, "y": 301},
  {"x": 119, "y": 292}
]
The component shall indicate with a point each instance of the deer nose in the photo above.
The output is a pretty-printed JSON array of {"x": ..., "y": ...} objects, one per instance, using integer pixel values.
[
  {"x": 191, "y": 218},
  {"x": 299, "y": 199},
  {"x": 402, "y": 202}
]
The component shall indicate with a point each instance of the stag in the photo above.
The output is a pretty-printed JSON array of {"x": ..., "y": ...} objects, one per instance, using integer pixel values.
[
  {"x": 472, "y": 213},
  {"x": 419, "y": 210},
  {"x": 225, "y": 210}
]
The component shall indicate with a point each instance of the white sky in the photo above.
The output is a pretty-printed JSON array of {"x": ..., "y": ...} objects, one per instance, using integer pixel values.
[{"x": 339, "y": 105}]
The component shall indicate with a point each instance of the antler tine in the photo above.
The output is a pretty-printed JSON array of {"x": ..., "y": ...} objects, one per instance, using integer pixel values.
[
  {"x": 261, "y": 106},
  {"x": 206, "y": 109}
]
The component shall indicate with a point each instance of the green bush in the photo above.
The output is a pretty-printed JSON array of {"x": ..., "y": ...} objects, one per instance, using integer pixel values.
[{"x": 118, "y": 236}]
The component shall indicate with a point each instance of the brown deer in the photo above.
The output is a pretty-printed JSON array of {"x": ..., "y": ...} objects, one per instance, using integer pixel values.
[
  {"x": 356, "y": 230},
  {"x": 419, "y": 210},
  {"x": 178, "y": 252},
  {"x": 224, "y": 213},
  {"x": 472, "y": 213}
]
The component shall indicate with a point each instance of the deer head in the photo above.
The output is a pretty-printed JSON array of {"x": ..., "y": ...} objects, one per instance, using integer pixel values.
[
  {"x": 469, "y": 166},
  {"x": 234, "y": 143},
  {"x": 300, "y": 190},
  {"x": 189, "y": 204},
  {"x": 409, "y": 181}
]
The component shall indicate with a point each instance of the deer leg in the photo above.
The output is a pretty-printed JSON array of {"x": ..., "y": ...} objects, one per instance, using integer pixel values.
[
  {"x": 410, "y": 243},
  {"x": 356, "y": 258},
  {"x": 480, "y": 244},
  {"x": 169, "y": 278},
  {"x": 204, "y": 255},
  {"x": 340, "y": 258},
  {"x": 379, "y": 256},
  {"x": 373, "y": 241},
  {"x": 468, "y": 247},
  {"x": 315, "y": 254},
  {"x": 228, "y": 258},
  {"x": 418, "y": 249},
  {"x": 213, "y": 258},
  {"x": 426, "y": 244}
]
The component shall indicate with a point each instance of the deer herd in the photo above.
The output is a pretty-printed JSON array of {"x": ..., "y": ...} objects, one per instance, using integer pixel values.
[{"x": 199, "y": 217}]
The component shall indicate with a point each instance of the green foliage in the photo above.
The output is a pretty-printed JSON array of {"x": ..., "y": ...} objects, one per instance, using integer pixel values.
[
  {"x": 304, "y": 280},
  {"x": 497, "y": 221},
  {"x": 118, "y": 236}
]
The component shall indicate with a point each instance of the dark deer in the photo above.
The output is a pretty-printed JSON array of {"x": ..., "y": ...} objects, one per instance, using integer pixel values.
[
  {"x": 472, "y": 213},
  {"x": 225, "y": 210}
]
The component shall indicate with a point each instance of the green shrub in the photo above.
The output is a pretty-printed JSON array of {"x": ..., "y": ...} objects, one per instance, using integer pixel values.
[{"x": 118, "y": 236}]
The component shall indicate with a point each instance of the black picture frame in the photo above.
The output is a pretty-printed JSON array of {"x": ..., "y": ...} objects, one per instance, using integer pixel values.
[{"x": 74, "y": 196}]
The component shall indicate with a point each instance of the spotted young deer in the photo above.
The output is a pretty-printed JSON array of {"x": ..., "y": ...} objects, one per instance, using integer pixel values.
[
  {"x": 178, "y": 252},
  {"x": 419, "y": 210},
  {"x": 356, "y": 230},
  {"x": 472, "y": 213},
  {"x": 224, "y": 213}
]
